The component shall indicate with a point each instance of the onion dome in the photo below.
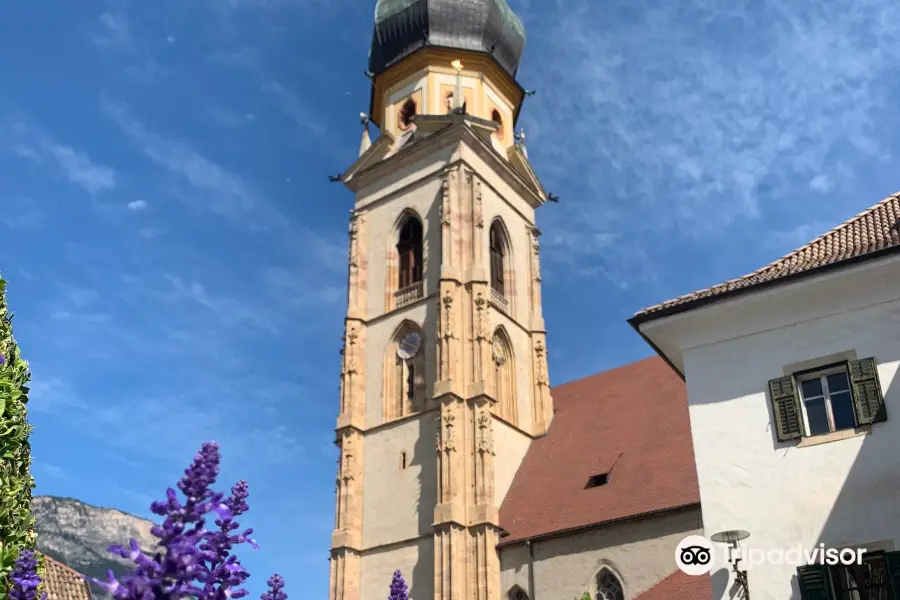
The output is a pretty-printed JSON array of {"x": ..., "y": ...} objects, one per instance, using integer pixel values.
[{"x": 404, "y": 26}]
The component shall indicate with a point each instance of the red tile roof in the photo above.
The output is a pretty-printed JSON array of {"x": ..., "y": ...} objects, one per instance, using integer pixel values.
[
  {"x": 633, "y": 419},
  {"x": 679, "y": 586},
  {"x": 875, "y": 229},
  {"x": 64, "y": 583}
]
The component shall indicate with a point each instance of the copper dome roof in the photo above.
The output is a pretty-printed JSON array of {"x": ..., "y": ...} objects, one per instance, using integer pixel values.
[{"x": 404, "y": 26}]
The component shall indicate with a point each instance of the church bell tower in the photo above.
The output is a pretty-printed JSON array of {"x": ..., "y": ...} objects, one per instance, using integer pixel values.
[{"x": 444, "y": 379}]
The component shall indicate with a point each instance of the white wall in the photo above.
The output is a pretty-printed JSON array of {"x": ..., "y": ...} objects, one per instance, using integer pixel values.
[{"x": 840, "y": 493}]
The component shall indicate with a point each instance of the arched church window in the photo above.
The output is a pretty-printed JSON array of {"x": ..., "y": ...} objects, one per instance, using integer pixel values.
[
  {"x": 409, "y": 248},
  {"x": 504, "y": 385},
  {"x": 404, "y": 373},
  {"x": 407, "y": 114},
  {"x": 608, "y": 586},
  {"x": 497, "y": 243},
  {"x": 498, "y": 119},
  {"x": 517, "y": 593}
]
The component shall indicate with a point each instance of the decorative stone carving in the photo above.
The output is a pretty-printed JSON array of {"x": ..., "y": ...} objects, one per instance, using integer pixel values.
[
  {"x": 536, "y": 256},
  {"x": 338, "y": 478},
  {"x": 445, "y": 198},
  {"x": 347, "y": 456},
  {"x": 438, "y": 434},
  {"x": 350, "y": 351},
  {"x": 485, "y": 437},
  {"x": 354, "y": 242},
  {"x": 479, "y": 212},
  {"x": 447, "y": 302},
  {"x": 540, "y": 352},
  {"x": 481, "y": 325},
  {"x": 449, "y": 436}
]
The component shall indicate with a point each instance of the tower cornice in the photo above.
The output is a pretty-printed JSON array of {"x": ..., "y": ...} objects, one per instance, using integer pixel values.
[{"x": 364, "y": 172}]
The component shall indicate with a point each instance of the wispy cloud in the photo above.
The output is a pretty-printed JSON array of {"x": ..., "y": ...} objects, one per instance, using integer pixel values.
[
  {"x": 52, "y": 470},
  {"x": 691, "y": 122},
  {"x": 31, "y": 143},
  {"x": 21, "y": 213},
  {"x": 113, "y": 33},
  {"x": 213, "y": 187},
  {"x": 294, "y": 107},
  {"x": 80, "y": 170},
  {"x": 223, "y": 192},
  {"x": 137, "y": 205},
  {"x": 174, "y": 422}
]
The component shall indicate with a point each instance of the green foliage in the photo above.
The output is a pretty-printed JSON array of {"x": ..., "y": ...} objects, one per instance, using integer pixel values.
[
  {"x": 584, "y": 596},
  {"x": 16, "y": 520}
]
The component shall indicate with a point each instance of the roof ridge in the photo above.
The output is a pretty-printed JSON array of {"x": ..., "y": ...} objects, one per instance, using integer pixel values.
[
  {"x": 657, "y": 584},
  {"x": 833, "y": 230},
  {"x": 825, "y": 250}
]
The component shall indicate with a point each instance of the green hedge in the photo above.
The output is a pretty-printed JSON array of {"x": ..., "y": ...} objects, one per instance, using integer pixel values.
[{"x": 16, "y": 520}]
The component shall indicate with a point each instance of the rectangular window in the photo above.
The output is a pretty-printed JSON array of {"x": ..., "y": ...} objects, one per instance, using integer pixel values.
[
  {"x": 837, "y": 397},
  {"x": 876, "y": 578},
  {"x": 868, "y": 581},
  {"x": 827, "y": 401}
]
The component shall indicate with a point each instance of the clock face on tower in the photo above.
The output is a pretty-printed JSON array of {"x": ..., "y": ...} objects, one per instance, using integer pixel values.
[{"x": 409, "y": 345}]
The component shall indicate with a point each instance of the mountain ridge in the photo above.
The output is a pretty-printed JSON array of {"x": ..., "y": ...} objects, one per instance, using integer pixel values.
[{"x": 78, "y": 534}]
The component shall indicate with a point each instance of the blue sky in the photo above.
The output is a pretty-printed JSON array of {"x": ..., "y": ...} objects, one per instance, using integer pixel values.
[{"x": 177, "y": 257}]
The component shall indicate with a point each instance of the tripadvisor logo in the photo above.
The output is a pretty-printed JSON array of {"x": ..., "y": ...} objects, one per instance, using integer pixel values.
[{"x": 695, "y": 555}]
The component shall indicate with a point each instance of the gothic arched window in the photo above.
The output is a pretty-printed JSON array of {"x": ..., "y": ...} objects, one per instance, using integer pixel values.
[
  {"x": 503, "y": 377},
  {"x": 409, "y": 248},
  {"x": 517, "y": 593},
  {"x": 499, "y": 248},
  {"x": 404, "y": 373},
  {"x": 608, "y": 586}
]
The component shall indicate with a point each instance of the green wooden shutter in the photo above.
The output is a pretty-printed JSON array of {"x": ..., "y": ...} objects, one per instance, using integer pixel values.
[
  {"x": 867, "y": 395},
  {"x": 892, "y": 563},
  {"x": 786, "y": 408},
  {"x": 814, "y": 583}
]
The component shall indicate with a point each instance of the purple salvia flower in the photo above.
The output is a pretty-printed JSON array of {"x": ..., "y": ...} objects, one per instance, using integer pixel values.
[
  {"x": 2, "y": 359},
  {"x": 24, "y": 578},
  {"x": 190, "y": 561},
  {"x": 172, "y": 572},
  {"x": 398, "y": 587},
  {"x": 276, "y": 583},
  {"x": 224, "y": 573}
]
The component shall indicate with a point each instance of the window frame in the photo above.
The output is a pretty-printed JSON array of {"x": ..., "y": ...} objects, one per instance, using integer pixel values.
[
  {"x": 790, "y": 420},
  {"x": 410, "y": 251},
  {"x": 834, "y": 575},
  {"x": 822, "y": 373},
  {"x": 497, "y": 258},
  {"x": 598, "y": 580}
]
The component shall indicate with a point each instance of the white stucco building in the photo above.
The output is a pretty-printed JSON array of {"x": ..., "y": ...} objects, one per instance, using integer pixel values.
[{"x": 794, "y": 403}]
